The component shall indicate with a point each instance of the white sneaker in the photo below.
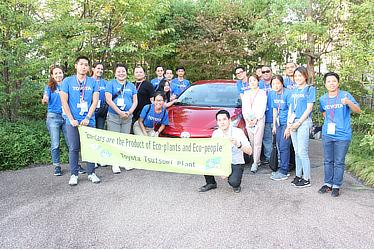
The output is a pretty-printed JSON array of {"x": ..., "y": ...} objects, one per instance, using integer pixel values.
[
  {"x": 116, "y": 169},
  {"x": 254, "y": 168},
  {"x": 128, "y": 168},
  {"x": 93, "y": 177},
  {"x": 73, "y": 180}
]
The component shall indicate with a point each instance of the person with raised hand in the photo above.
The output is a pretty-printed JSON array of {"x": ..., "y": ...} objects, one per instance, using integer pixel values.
[{"x": 336, "y": 106}]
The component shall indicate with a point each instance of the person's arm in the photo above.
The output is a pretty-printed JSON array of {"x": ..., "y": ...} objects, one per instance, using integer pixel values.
[
  {"x": 308, "y": 110},
  {"x": 160, "y": 129},
  {"x": 354, "y": 107},
  {"x": 109, "y": 101},
  {"x": 141, "y": 125},
  {"x": 134, "y": 104},
  {"x": 275, "y": 116},
  {"x": 64, "y": 102},
  {"x": 45, "y": 99},
  {"x": 95, "y": 100}
]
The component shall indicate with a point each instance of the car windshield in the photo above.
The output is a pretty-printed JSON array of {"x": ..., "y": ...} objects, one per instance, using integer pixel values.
[{"x": 210, "y": 95}]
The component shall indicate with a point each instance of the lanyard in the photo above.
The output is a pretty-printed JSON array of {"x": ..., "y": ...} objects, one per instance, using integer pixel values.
[
  {"x": 332, "y": 110},
  {"x": 252, "y": 100},
  {"x": 279, "y": 104},
  {"x": 138, "y": 86},
  {"x": 155, "y": 116},
  {"x": 121, "y": 92},
  {"x": 82, "y": 88}
]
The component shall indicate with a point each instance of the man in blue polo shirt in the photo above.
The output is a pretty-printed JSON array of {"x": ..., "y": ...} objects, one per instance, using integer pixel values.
[
  {"x": 179, "y": 84},
  {"x": 79, "y": 97},
  {"x": 288, "y": 78},
  {"x": 242, "y": 82},
  {"x": 264, "y": 84},
  {"x": 160, "y": 76}
]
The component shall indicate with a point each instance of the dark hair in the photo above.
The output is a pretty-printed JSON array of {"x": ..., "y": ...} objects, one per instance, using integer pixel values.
[
  {"x": 253, "y": 74},
  {"x": 95, "y": 65},
  {"x": 278, "y": 77},
  {"x": 239, "y": 67},
  {"x": 291, "y": 62},
  {"x": 120, "y": 65},
  {"x": 82, "y": 57},
  {"x": 331, "y": 74},
  {"x": 180, "y": 67},
  {"x": 52, "y": 84},
  {"x": 168, "y": 69},
  {"x": 139, "y": 67},
  {"x": 303, "y": 71},
  {"x": 159, "y": 93},
  {"x": 225, "y": 112},
  {"x": 161, "y": 87},
  {"x": 159, "y": 66}
]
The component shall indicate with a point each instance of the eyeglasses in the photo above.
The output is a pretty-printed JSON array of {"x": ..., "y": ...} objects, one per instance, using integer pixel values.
[
  {"x": 266, "y": 71},
  {"x": 239, "y": 72}
]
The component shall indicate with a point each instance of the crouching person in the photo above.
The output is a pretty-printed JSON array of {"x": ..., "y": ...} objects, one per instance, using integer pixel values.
[
  {"x": 240, "y": 144},
  {"x": 153, "y": 118}
]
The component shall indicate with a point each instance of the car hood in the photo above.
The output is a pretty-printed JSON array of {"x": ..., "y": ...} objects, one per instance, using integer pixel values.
[{"x": 198, "y": 121}]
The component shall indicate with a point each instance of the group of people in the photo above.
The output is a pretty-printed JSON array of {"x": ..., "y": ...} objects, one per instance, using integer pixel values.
[
  {"x": 91, "y": 101},
  {"x": 280, "y": 108},
  {"x": 274, "y": 108}
]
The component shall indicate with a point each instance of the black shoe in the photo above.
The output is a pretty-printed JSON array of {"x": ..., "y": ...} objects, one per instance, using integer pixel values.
[
  {"x": 324, "y": 189},
  {"x": 335, "y": 192},
  {"x": 82, "y": 170},
  {"x": 237, "y": 189},
  {"x": 295, "y": 180},
  {"x": 264, "y": 163},
  {"x": 208, "y": 187},
  {"x": 303, "y": 183}
]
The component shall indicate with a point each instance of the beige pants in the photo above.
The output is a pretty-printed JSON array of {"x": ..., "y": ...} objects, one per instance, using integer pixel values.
[
  {"x": 138, "y": 130},
  {"x": 255, "y": 138}
]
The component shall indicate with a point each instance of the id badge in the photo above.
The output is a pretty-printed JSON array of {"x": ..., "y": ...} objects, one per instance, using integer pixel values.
[
  {"x": 331, "y": 128},
  {"x": 120, "y": 102},
  {"x": 251, "y": 115},
  {"x": 84, "y": 107},
  {"x": 292, "y": 118},
  {"x": 98, "y": 104}
]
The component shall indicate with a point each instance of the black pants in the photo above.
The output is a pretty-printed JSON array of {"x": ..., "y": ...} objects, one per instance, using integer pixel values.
[{"x": 235, "y": 178}]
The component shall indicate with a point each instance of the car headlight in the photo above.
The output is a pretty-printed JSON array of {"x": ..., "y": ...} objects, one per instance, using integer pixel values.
[{"x": 185, "y": 134}]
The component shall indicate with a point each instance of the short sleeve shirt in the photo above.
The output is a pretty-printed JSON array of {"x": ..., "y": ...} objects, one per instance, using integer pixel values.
[
  {"x": 125, "y": 98},
  {"x": 300, "y": 98},
  {"x": 177, "y": 87},
  {"x": 54, "y": 101},
  {"x": 281, "y": 103},
  {"x": 151, "y": 119}
]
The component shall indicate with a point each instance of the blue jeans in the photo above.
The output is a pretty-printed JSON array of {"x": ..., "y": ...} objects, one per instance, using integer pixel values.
[
  {"x": 300, "y": 140},
  {"x": 283, "y": 149},
  {"x": 100, "y": 121},
  {"x": 334, "y": 152},
  {"x": 56, "y": 123},
  {"x": 267, "y": 140},
  {"x": 74, "y": 148}
]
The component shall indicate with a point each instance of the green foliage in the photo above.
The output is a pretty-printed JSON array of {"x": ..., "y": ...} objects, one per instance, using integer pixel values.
[
  {"x": 360, "y": 159},
  {"x": 25, "y": 143}
]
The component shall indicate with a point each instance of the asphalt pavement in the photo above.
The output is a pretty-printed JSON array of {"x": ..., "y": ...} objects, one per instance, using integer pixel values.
[{"x": 149, "y": 209}]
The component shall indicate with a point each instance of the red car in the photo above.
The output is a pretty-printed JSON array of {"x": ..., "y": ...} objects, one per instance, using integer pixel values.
[{"x": 195, "y": 114}]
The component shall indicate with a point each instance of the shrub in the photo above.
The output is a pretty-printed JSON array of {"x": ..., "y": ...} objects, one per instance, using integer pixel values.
[{"x": 25, "y": 143}]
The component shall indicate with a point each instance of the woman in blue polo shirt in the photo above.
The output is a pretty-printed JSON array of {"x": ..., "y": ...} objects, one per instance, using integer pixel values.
[
  {"x": 299, "y": 123},
  {"x": 280, "y": 106},
  {"x": 122, "y": 99},
  {"x": 55, "y": 121},
  {"x": 97, "y": 75},
  {"x": 153, "y": 118},
  {"x": 336, "y": 106}
]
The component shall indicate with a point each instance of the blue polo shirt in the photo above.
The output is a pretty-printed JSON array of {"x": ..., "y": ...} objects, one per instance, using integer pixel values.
[
  {"x": 337, "y": 113},
  {"x": 151, "y": 119},
  {"x": 242, "y": 86},
  {"x": 77, "y": 90},
  {"x": 102, "y": 86},
  {"x": 300, "y": 98},
  {"x": 127, "y": 94},
  {"x": 281, "y": 104},
  {"x": 54, "y": 101},
  {"x": 177, "y": 87},
  {"x": 289, "y": 83},
  {"x": 155, "y": 82},
  {"x": 269, "y": 109}
]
